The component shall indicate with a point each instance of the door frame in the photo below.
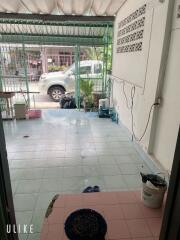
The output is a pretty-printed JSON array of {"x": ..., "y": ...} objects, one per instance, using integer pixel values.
[
  {"x": 170, "y": 228},
  {"x": 7, "y": 212}
]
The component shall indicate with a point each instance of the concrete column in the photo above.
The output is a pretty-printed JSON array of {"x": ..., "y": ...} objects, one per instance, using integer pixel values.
[{"x": 44, "y": 60}]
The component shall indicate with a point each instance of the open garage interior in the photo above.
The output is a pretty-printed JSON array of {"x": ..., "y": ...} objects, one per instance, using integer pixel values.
[{"x": 89, "y": 101}]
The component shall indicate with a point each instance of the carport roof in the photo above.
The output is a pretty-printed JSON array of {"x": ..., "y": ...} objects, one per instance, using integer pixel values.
[
  {"x": 89, "y": 22},
  {"x": 62, "y": 7},
  {"x": 55, "y": 29}
]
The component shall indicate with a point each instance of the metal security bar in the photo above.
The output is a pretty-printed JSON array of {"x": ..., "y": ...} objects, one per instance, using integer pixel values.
[
  {"x": 92, "y": 79},
  {"x": 77, "y": 76},
  {"x": 13, "y": 71}
]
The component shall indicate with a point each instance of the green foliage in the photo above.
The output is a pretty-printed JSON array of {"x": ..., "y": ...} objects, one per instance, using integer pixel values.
[
  {"x": 109, "y": 56},
  {"x": 96, "y": 53},
  {"x": 86, "y": 87},
  {"x": 55, "y": 68}
]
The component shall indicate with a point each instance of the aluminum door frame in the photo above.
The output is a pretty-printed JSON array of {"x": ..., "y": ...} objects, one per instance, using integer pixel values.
[{"x": 7, "y": 212}]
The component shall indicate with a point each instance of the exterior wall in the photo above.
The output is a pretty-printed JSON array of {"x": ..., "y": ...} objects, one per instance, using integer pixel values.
[
  {"x": 169, "y": 115},
  {"x": 61, "y": 56},
  {"x": 142, "y": 69}
]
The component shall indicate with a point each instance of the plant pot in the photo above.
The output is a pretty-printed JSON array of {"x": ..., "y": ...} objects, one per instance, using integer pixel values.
[{"x": 88, "y": 106}]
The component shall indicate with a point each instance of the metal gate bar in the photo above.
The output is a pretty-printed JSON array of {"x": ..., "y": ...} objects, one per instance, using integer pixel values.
[
  {"x": 13, "y": 71},
  {"x": 77, "y": 76}
]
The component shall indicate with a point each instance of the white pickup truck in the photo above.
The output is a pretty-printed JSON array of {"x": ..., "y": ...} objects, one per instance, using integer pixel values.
[{"x": 57, "y": 83}]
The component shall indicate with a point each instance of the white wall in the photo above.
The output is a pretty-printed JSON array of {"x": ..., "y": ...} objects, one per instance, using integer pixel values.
[
  {"x": 169, "y": 114},
  {"x": 146, "y": 65}
]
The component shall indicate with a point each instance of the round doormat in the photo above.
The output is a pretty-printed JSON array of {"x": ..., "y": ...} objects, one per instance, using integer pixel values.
[{"x": 85, "y": 224}]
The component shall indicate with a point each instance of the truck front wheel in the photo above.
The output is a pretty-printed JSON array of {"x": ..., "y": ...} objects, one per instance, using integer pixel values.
[{"x": 55, "y": 93}]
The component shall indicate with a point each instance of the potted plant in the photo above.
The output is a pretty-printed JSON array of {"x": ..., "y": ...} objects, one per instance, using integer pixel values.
[{"x": 86, "y": 87}]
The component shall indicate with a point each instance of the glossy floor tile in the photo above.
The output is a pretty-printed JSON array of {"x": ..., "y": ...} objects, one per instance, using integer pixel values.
[{"x": 65, "y": 152}]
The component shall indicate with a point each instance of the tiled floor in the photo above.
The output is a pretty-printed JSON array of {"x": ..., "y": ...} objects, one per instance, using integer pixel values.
[
  {"x": 126, "y": 216},
  {"x": 66, "y": 151}
]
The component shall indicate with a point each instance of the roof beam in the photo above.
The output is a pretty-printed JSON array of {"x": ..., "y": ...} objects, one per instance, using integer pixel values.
[
  {"x": 51, "y": 35},
  {"x": 51, "y": 40},
  {"x": 61, "y": 18}
]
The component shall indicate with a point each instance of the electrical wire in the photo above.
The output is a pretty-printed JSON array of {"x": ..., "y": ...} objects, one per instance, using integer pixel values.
[
  {"x": 123, "y": 88},
  {"x": 126, "y": 99},
  {"x": 133, "y": 92},
  {"x": 125, "y": 80},
  {"x": 147, "y": 124}
]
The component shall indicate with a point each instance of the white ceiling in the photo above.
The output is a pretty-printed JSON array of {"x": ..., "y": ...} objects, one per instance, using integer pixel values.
[{"x": 62, "y": 7}]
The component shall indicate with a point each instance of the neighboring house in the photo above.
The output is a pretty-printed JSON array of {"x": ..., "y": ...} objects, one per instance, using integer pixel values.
[
  {"x": 59, "y": 57},
  {"x": 52, "y": 58}
]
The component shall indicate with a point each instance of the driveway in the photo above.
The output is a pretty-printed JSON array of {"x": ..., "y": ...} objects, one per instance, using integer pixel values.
[{"x": 40, "y": 101}]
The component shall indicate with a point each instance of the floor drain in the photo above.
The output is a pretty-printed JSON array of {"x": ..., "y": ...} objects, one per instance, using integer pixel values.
[{"x": 25, "y": 136}]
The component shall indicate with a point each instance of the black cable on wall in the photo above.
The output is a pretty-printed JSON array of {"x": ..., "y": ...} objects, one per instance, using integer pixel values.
[{"x": 131, "y": 107}]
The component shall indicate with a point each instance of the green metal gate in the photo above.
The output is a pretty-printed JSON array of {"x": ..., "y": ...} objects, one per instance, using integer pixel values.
[
  {"x": 13, "y": 71},
  {"x": 17, "y": 32},
  {"x": 98, "y": 80}
]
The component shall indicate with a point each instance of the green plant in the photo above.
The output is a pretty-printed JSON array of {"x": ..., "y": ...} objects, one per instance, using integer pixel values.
[
  {"x": 55, "y": 68},
  {"x": 86, "y": 87},
  {"x": 96, "y": 53}
]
